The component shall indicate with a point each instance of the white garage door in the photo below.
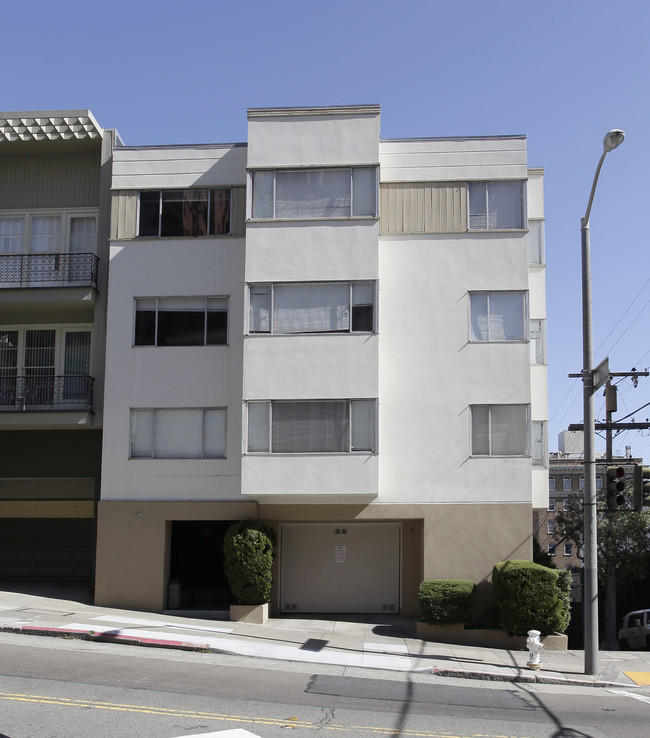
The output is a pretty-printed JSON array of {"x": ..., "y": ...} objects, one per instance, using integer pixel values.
[{"x": 340, "y": 567}]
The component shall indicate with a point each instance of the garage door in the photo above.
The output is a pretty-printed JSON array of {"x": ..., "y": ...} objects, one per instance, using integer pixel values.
[
  {"x": 340, "y": 567},
  {"x": 54, "y": 549}
]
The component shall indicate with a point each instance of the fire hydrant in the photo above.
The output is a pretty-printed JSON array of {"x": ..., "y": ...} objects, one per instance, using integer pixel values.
[{"x": 535, "y": 648}]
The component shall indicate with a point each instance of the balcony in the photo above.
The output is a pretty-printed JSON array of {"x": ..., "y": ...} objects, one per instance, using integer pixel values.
[
  {"x": 48, "y": 270},
  {"x": 46, "y": 393}
]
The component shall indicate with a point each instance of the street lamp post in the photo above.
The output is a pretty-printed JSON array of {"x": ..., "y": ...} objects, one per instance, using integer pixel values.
[{"x": 613, "y": 139}]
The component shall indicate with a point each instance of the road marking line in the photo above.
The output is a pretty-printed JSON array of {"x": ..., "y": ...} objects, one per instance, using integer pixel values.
[
  {"x": 640, "y": 697},
  {"x": 194, "y": 714}
]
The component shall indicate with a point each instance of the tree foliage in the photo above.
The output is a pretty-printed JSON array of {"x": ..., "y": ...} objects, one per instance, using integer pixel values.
[{"x": 623, "y": 548}]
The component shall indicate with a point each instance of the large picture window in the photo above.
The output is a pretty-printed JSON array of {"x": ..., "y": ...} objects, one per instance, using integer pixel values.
[
  {"x": 48, "y": 233},
  {"x": 318, "y": 307},
  {"x": 315, "y": 193},
  {"x": 496, "y": 205},
  {"x": 313, "y": 426},
  {"x": 498, "y": 316},
  {"x": 181, "y": 321},
  {"x": 500, "y": 430},
  {"x": 170, "y": 213},
  {"x": 178, "y": 433}
]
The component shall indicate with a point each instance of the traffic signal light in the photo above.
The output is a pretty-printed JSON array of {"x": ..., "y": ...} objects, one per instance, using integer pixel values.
[
  {"x": 641, "y": 486},
  {"x": 615, "y": 487}
]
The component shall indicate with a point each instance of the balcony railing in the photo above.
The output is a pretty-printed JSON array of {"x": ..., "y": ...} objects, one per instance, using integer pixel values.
[
  {"x": 46, "y": 393},
  {"x": 48, "y": 270}
]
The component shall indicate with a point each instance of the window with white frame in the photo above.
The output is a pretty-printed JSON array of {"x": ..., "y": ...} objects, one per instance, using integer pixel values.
[
  {"x": 550, "y": 526},
  {"x": 537, "y": 341},
  {"x": 500, "y": 430},
  {"x": 568, "y": 549},
  {"x": 551, "y": 549},
  {"x": 301, "y": 194},
  {"x": 312, "y": 426},
  {"x": 181, "y": 321},
  {"x": 42, "y": 366},
  {"x": 539, "y": 453},
  {"x": 45, "y": 232},
  {"x": 566, "y": 484},
  {"x": 581, "y": 483},
  {"x": 599, "y": 483},
  {"x": 178, "y": 213},
  {"x": 312, "y": 307},
  {"x": 498, "y": 316},
  {"x": 496, "y": 205},
  {"x": 535, "y": 241},
  {"x": 551, "y": 504},
  {"x": 551, "y": 484},
  {"x": 178, "y": 433}
]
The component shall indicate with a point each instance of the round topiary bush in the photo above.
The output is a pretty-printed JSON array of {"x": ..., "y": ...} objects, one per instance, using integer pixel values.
[
  {"x": 248, "y": 551},
  {"x": 446, "y": 601}
]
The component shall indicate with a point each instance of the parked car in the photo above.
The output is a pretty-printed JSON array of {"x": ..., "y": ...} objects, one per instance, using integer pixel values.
[{"x": 635, "y": 630}]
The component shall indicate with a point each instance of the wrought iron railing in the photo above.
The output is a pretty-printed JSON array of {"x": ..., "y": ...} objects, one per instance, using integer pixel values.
[
  {"x": 48, "y": 270},
  {"x": 46, "y": 393}
]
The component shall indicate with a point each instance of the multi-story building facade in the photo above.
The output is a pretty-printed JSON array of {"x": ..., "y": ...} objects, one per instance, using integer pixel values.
[
  {"x": 339, "y": 335},
  {"x": 55, "y": 178}
]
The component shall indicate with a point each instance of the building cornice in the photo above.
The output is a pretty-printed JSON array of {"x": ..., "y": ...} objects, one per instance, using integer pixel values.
[{"x": 49, "y": 125}]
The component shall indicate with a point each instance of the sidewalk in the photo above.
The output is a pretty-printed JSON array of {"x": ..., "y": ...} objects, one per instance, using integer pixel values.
[{"x": 373, "y": 642}]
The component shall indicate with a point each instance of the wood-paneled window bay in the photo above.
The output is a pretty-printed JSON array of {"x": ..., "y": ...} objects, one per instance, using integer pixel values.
[{"x": 178, "y": 213}]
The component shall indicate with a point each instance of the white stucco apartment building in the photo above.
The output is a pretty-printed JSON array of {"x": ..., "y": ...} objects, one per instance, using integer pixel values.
[{"x": 336, "y": 334}]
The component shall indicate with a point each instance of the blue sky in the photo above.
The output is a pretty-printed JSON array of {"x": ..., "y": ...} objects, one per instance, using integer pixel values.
[{"x": 563, "y": 72}]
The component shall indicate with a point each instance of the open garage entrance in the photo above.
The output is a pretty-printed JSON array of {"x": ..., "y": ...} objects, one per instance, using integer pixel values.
[{"x": 196, "y": 564}]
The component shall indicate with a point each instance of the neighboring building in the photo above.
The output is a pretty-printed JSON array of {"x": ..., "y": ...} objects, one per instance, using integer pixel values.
[
  {"x": 336, "y": 334},
  {"x": 55, "y": 177}
]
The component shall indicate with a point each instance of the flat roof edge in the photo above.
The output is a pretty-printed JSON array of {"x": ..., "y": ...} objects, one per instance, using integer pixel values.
[{"x": 295, "y": 112}]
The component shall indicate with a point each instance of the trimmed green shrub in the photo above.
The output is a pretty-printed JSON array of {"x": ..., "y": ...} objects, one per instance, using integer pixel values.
[
  {"x": 248, "y": 551},
  {"x": 531, "y": 597},
  {"x": 446, "y": 601}
]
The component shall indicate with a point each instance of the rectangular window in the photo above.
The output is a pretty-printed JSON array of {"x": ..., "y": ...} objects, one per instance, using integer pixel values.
[
  {"x": 551, "y": 549},
  {"x": 566, "y": 484},
  {"x": 319, "y": 307},
  {"x": 500, "y": 430},
  {"x": 551, "y": 484},
  {"x": 179, "y": 433},
  {"x": 315, "y": 193},
  {"x": 12, "y": 234},
  {"x": 537, "y": 341},
  {"x": 599, "y": 483},
  {"x": 71, "y": 232},
  {"x": 497, "y": 316},
  {"x": 312, "y": 426},
  {"x": 535, "y": 241},
  {"x": 539, "y": 451},
  {"x": 568, "y": 549},
  {"x": 550, "y": 526},
  {"x": 551, "y": 505},
  {"x": 496, "y": 205},
  {"x": 181, "y": 321},
  {"x": 178, "y": 213}
]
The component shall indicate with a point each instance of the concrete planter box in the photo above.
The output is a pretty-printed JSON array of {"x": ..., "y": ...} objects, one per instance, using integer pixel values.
[
  {"x": 488, "y": 638},
  {"x": 257, "y": 614}
]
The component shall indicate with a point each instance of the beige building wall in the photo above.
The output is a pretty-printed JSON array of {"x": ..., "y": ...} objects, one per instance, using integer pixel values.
[{"x": 133, "y": 540}]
